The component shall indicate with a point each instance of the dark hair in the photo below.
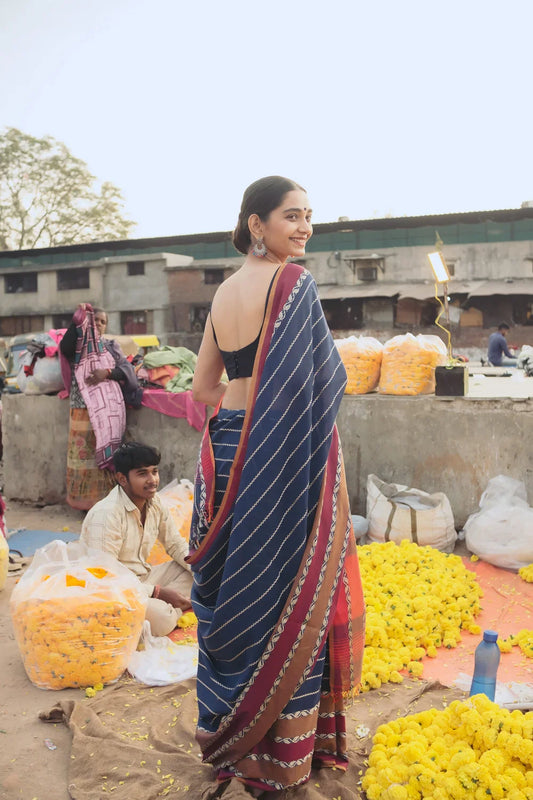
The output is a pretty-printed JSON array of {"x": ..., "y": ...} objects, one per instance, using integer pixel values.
[
  {"x": 133, "y": 455},
  {"x": 98, "y": 310},
  {"x": 260, "y": 198},
  {"x": 503, "y": 326}
]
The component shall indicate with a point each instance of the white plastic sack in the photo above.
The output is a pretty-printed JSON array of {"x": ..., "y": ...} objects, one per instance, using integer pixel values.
[
  {"x": 501, "y": 532},
  {"x": 178, "y": 496},
  {"x": 162, "y": 661},
  {"x": 46, "y": 378},
  {"x": 396, "y": 512},
  {"x": 360, "y": 527}
]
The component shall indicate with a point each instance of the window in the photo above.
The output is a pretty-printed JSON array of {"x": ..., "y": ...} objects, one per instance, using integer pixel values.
[
  {"x": 61, "y": 320},
  {"x": 198, "y": 316},
  {"x": 73, "y": 279},
  {"x": 365, "y": 268},
  {"x": 132, "y": 322},
  {"x": 135, "y": 267},
  {"x": 12, "y": 326},
  {"x": 20, "y": 282},
  {"x": 213, "y": 276},
  {"x": 367, "y": 273}
]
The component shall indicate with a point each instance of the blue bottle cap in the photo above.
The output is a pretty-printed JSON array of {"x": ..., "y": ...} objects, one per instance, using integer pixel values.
[{"x": 490, "y": 636}]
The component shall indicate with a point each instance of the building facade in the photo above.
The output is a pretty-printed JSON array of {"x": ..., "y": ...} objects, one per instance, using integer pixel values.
[{"x": 373, "y": 276}]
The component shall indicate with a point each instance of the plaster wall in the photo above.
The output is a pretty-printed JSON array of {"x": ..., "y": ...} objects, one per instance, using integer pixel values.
[
  {"x": 136, "y": 292},
  {"x": 47, "y": 299},
  {"x": 35, "y": 434},
  {"x": 478, "y": 261},
  {"x": 482, "y": 261},
  {"x": 436, "y": 444}
]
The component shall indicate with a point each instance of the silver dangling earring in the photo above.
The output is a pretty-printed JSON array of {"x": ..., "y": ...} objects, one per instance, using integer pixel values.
[{"x": 259, "y": 249}]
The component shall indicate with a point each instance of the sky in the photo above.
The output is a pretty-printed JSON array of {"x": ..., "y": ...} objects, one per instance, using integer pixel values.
[{"x": 378, "y": 108}]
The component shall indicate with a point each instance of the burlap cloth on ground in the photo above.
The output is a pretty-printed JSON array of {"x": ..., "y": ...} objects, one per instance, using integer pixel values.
[{"x": 132, "y": 742}]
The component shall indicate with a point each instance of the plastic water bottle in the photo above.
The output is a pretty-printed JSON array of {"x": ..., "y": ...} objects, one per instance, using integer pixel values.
[{"x": 487, "y": 659}]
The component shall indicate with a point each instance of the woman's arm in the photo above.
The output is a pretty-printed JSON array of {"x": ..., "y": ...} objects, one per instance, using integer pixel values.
[
  {"x": 206, "y": 384},
  {"x": 67, "y": 345}
]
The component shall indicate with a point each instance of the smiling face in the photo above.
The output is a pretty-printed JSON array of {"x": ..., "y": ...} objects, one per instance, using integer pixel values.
[
  {"x": 100, "y": 321},
  {"x": 140, "y": 484},
  {"x": 288, "y": 227}
]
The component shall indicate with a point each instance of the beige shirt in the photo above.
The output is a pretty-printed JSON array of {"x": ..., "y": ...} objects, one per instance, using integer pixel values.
[{"x": 114, "y": 525}]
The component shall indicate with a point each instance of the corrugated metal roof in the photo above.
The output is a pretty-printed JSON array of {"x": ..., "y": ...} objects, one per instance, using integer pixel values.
[
  {"x": 375, "y": 289},
  {"x": 424, "y": 291},
  {"x": 509, "y": 286},
  {"x": 379, "y": 223}
]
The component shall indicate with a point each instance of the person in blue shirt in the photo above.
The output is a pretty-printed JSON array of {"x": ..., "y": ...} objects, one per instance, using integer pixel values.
[{"x": 499, "y": 354}]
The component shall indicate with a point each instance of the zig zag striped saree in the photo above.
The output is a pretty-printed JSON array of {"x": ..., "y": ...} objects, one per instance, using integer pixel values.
[{"x": 277, "y": 590}]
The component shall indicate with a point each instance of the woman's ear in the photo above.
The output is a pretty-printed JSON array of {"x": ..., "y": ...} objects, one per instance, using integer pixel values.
[{"x": 255, "y": 226}]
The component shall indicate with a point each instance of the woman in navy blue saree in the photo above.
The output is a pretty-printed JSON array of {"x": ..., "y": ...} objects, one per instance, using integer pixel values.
[{"x": 276, "y": 588}]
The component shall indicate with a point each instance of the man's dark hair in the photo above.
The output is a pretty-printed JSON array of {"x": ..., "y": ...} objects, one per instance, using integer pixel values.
[
  {"x": 134, "y": 455},
  {"x": 503, "y": 326}
]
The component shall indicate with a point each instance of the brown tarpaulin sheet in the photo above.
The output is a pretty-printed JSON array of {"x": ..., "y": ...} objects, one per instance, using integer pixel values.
[{"x": 132, "y": 742}]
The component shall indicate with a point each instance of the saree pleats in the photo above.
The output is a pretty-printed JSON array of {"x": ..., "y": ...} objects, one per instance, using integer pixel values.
[{"x": 280, "y": 620}]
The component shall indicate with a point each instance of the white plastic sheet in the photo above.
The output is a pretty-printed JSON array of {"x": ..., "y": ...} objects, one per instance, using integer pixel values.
[
  {"x": 501, "y": 532},
  {"x": 162, "y": 661}
]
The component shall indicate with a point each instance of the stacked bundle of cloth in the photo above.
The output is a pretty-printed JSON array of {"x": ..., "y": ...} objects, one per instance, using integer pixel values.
[{"x": 169, "y": 367}]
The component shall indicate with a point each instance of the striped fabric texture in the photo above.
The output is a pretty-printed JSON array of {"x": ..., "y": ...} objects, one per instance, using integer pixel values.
[
  {"x": 277, "y": 590},
  {"x": 104, "y": 401}
]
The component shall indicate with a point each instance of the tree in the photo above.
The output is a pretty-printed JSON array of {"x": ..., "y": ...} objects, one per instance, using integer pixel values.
[{"x": 48, "y": 197}]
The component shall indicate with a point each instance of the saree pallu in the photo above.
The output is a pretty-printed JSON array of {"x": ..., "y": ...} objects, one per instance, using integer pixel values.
[
  {"x": 86, "y": 482},
  {"x": 277, "y": 590}
]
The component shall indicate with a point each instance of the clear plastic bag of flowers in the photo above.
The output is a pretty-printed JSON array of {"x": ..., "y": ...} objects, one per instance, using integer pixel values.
[
  {"x": 77, "y": 615},
  {"x": 408, "y": 365},
  {"x": 361, "y": 357},
  {"x": 4, "y": 560}
]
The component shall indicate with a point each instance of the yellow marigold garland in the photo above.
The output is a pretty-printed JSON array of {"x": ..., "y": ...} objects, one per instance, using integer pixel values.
[
  {"x": 471, "y": 750},
  {"x": 526, "y": 573},
  {"x": 187, "y": 620},
  {"x": 523, "y": 639},
  {"x": 417, "y": 599}
]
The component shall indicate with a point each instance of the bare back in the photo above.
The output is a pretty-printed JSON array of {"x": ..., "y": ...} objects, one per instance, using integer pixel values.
[{"x": 237, "y": 314}]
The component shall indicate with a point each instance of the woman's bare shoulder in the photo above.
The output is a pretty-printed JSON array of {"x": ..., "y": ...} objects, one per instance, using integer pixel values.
[{"x": 225, "y": 291}]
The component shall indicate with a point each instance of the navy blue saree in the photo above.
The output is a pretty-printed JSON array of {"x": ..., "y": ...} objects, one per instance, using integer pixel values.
[{"x": 276, "y": 588}]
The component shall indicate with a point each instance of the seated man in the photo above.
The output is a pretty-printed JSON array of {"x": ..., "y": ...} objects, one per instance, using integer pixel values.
[
  {"x": 499, "y": 354},
  {"x": 126, "y": 524}
]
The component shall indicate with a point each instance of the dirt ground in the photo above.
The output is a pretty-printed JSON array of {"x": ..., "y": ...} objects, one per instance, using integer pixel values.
[{"x": 29, "y": 770}]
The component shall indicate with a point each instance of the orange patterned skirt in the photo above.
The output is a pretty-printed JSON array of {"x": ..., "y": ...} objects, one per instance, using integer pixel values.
[{"x": 86, "y": 482}]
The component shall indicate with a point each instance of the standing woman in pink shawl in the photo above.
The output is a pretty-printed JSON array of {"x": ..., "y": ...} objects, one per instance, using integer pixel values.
[{"x": 99, "y": 379}]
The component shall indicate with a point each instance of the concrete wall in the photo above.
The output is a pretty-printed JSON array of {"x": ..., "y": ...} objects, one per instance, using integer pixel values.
[
  {"x": 495, "y": 260},
  {"x": 436, "y": 444},
  {"x": 110, "y": 286},
  {"x": 453, "y": 445},
  {"x": 35, "y": 433},
  {"x": 48, "y": 299}
]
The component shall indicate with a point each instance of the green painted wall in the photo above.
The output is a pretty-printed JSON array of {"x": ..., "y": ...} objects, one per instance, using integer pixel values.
[{"x": 371, "y": 238}]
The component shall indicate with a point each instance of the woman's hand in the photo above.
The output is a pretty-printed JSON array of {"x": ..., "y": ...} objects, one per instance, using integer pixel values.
[{"x": 97, "y": 376}]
